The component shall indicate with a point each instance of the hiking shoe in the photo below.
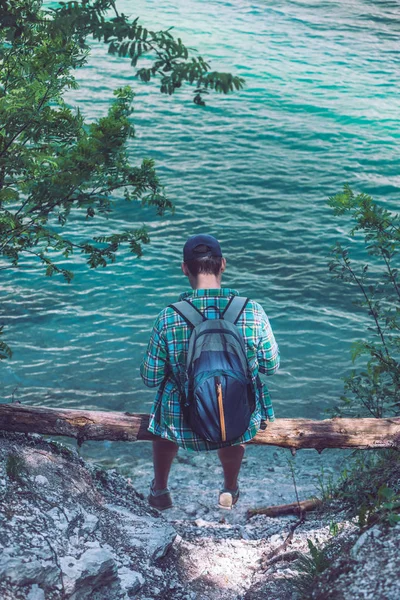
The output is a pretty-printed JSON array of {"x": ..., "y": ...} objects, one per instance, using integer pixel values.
[
  {"x": 228, "y": 498},
  {"x": 159, "y": 499}
]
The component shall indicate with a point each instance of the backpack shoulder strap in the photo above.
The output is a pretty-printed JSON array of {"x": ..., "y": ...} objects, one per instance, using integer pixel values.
[
  {"x": 234, "y": 309},
  {"x": 188, "y": 312}
]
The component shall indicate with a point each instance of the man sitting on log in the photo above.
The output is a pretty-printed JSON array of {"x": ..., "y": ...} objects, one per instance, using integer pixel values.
[{"x": 209, "y": 396}]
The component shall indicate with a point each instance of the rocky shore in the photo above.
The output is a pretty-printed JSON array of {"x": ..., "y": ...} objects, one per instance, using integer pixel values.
[{"x": 71, "y": 530}]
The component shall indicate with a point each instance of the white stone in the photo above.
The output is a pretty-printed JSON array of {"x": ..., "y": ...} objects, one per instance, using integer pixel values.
[
  {"x": 202, "y": 523},
  {"x": 92, "y": 544},
  {"x": 90, "y": 523},
  {"x": 41, "y": 480},
  {"x": 58, "y": 517},
  {"x": 274, "y": 539},
  {"x": 153, "y": 535},
  {"x": 22, "y": 571},
  {"x": 191, "y": 510},
  {"x": 131, "y": 581},
  {"x": 359, "y": 543},
  {"x": 35, "y": 593},
  {"x": 96, "y": 568}
]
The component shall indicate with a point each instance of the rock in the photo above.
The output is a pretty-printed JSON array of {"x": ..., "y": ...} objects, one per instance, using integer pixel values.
[
  {"x": 59, "y": 519},
  {"x": 202, "y": 523},
  {"x": 41, "y": 480},
  {"x": 245, "y": 534},
  {"x": 191, "y": 510},
  {"x": 95, "y": 569},
  {"x": 24, "y": 572},
  {"x": 275, "y": 539},
  {"x": 99, "y": 540},
  {"x": 131, "y": 581},
  {"x": 374, "y": 532},
  {"x": 35, "y": 593},
  {"x": 90, "y": 522},
  {"x": 153, "y": 534}
]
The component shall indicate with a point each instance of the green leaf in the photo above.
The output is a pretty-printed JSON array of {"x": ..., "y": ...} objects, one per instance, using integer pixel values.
[{"x": 5, "y": 350}]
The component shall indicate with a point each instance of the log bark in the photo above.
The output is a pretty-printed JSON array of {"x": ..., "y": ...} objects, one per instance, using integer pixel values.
[
  {"x": 79, "y": 424},
  {"x": 368, "y": 433},
  {"x": 296, "y": 508},
  {"x": 116, "y": 426}
]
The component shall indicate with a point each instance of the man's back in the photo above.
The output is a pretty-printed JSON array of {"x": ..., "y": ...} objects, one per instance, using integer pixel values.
[{"x": 166, "y": 356}]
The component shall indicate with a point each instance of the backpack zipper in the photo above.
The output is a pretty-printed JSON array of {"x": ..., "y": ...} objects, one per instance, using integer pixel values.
[
  {"x": 221, "y": 332},
  {"x": 218, "y": 387}
]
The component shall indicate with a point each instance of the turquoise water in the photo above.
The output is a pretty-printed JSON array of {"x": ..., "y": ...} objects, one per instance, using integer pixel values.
[{"x": 320, "y": 108}]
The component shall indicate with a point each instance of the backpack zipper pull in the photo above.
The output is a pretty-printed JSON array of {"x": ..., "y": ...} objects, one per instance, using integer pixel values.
[{"x": 218, "y": 387}]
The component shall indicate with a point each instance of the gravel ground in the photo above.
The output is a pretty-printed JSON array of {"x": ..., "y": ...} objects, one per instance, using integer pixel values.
[
  {"x": 109, "y": 545},
  {"x": 223, "y": 555}
]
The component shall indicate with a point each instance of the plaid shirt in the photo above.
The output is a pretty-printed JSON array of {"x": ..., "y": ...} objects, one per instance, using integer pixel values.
[{"x": 166, "y": 357}]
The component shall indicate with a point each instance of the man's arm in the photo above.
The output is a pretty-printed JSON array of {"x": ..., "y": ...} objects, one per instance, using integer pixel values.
[
  {"x": 154, "y": 365},
  {"x": 267, "y": 351}
]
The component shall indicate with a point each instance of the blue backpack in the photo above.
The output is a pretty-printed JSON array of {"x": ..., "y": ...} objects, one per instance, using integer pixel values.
[{"x": 217, "y": 394}]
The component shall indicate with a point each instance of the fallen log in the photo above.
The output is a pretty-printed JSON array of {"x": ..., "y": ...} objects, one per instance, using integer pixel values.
[
  {"x": 116, "y": 426},
  {"x": 368, "y": 433},
  {"x": 80, "y": 424},
  {"x": 295, "y": 508}
]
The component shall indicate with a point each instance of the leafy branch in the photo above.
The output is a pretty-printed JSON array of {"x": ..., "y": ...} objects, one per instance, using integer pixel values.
[
  {"x": 376, "y": 388},
  {"x": 171, "y": 59}
]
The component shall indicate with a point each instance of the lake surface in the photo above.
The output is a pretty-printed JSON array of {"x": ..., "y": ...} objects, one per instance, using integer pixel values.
[{"x": 321, "y": 108}]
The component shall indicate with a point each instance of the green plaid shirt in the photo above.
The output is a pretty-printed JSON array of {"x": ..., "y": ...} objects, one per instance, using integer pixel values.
[{"x": 166, "y": 355}]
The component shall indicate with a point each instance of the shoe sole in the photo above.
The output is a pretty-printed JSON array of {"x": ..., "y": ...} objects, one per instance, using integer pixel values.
[
  {"x": 225, "y": 501},
  {"x": 160, "y": 508}
]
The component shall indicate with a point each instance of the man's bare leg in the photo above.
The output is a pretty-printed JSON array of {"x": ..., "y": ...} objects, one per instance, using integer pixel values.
[
  {"x": 164, "y": 453},
  {"x": 231, "y": 460}
]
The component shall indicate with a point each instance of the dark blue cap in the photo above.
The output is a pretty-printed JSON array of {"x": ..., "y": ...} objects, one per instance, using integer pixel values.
[{"x": 200, "y": 246}]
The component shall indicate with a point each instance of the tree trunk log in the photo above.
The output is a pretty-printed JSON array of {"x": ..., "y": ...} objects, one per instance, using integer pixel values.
[
  {"x": 286, "y": 433},
  {"x": 80, "y": 424},
  {"x": 296, "y": 508},
  {"x": 368, "y": 433}
]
